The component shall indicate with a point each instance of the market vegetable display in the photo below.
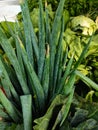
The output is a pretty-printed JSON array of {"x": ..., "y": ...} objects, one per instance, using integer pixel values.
[{"x": 44, "y": 58}]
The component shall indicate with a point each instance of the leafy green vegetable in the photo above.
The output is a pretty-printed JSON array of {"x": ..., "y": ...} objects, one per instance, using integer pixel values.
[{"x": 41, "y": 63}]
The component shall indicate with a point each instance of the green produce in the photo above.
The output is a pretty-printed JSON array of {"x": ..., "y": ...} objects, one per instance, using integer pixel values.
[
  {"x": 38, "y": 80},
  {"x": 83, "y": 24},
  {"x": 88, "y": 8},
  {"x": 76, "y": 36},
  {"x": 29, "y": 79},
  {"x": 5, "y": 28}
]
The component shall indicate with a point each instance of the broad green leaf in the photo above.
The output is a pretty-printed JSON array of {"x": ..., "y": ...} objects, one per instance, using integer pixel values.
[{"x": 26, "y": 102}]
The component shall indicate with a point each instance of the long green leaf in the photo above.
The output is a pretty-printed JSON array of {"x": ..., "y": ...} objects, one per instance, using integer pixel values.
[
  {"x": 20, "y": 60},
  {"x": 47, "y": 29},
  {"x": 66, "y": 107},
  {"x": 13, "y": 78},
  {"x": 4, "y": 81},
  {"x": 29, "y": 30},
  {"x": 41, "y": 41},
  {"x": 66, "y": 73},
  {"x": 54, "y": 37},
  {"x": 14, "y": 34},
  {"x": 68, "y": 87},
  {"x": 65, "y": 58},
  {"x": 19, "y": 55},
  {"x": 7, "y": 85},
  {"x": 9, "y": 50},
  {"x": 10, "y": 108},
  {"x": 45, "y": 78},
  {"x": 3, "y": 114},
  {"x": 26, "y": 102},
  {"x": 60, "y": 70},
  {"x": 57, "y": 57},
  {"x": 36, "y": 86},
  {"x": 87, "y": 80}
]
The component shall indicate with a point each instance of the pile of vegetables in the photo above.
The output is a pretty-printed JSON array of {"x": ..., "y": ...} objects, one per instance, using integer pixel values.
[
  {"x": 48, "y": 67},
  {"x": 79, "y": 25}
]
